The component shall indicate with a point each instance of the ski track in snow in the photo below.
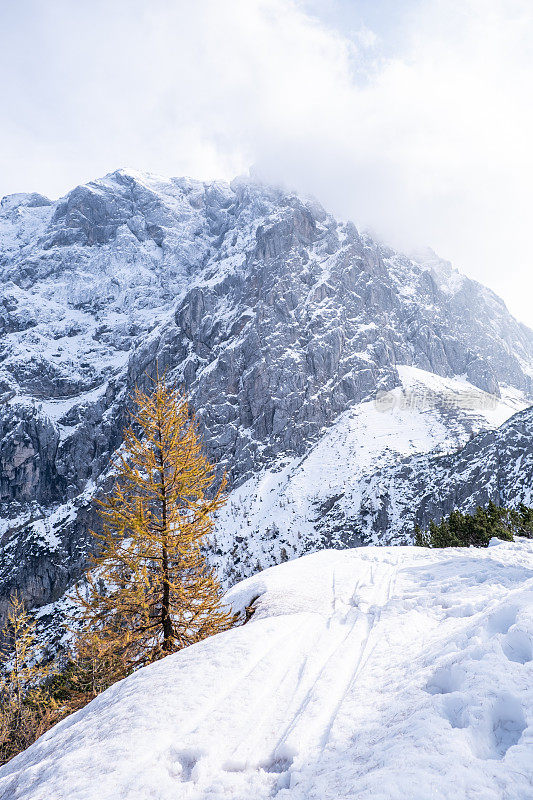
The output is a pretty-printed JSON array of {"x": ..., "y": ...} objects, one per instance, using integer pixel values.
[{"x": 391, "y": 673}]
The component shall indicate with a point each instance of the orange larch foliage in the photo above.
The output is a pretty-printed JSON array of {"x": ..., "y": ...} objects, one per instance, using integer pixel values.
[{"x": 151, "y": 591}]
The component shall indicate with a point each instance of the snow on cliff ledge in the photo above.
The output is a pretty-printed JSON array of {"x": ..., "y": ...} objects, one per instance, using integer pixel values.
[{"x": 392, "y": 673}]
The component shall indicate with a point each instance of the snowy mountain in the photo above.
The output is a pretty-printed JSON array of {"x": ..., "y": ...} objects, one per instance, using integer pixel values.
[
  {"x": 380, "y": 468},
  {"x": 377, "y": 672},
  {"x": 315, "y": 356}
]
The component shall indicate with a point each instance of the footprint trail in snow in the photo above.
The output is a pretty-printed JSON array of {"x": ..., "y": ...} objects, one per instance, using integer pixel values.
[{"x": 387, "y": 673}]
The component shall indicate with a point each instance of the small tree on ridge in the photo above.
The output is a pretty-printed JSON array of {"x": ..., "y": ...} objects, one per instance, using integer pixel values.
[{"x": 151, "y": 591}]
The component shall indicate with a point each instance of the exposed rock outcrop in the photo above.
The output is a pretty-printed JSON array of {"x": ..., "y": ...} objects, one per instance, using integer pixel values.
[{"x": 275, "y": 317}]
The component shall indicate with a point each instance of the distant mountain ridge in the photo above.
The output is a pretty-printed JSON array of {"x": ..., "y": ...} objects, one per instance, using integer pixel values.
[{"x": 276, "y": 317}]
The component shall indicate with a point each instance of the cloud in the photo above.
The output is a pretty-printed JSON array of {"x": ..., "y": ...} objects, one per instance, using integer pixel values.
[{"x": 422, "y": 132}]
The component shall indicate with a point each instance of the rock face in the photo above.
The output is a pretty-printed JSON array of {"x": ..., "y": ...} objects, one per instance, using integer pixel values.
[
  {"x": 276, "y": 318},
  {"x": 382, "y": 466},
  {"x": 497, "y": 466}
]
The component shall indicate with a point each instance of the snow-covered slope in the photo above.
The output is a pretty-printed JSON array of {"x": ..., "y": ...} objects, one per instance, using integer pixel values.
[
  {"x": 495, "y": 466},
  {"x": 374, "y": 673},
  {"x": 301, "y": 504}
]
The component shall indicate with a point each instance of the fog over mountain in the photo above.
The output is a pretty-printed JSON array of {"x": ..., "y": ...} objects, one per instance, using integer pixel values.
[{"x": 410, "y": 118}]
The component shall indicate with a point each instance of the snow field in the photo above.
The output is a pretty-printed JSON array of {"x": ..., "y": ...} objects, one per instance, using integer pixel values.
[
  {"x": 282, "y": 507},
  {"x": 386, "y": 673}
]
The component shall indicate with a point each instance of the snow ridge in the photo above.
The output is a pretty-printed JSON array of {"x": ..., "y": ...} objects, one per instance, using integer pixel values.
[{"x": 388, "y": 673}]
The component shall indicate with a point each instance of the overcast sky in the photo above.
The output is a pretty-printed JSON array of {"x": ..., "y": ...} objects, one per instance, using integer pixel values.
[{"x": 411, "y": 117}]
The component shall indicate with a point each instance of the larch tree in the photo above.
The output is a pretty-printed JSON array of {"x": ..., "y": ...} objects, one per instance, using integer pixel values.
[
  {"x": 151, "y": 590},
  {"x": 20, "y": 653},
  {"x": 26, "y": 708}
]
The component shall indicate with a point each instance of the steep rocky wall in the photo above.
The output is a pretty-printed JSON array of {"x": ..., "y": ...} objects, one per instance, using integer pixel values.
[{"x": 274, "y": 316}]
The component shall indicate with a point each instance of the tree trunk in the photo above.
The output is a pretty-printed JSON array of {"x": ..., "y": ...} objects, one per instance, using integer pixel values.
[{"x": 166, "y": 621}]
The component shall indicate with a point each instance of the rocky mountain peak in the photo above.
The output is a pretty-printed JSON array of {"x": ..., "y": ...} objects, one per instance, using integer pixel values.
[{"x": 276, "y": 317}]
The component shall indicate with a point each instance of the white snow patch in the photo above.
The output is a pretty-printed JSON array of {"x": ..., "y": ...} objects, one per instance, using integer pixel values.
[{"x": 375, "y": 673}]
